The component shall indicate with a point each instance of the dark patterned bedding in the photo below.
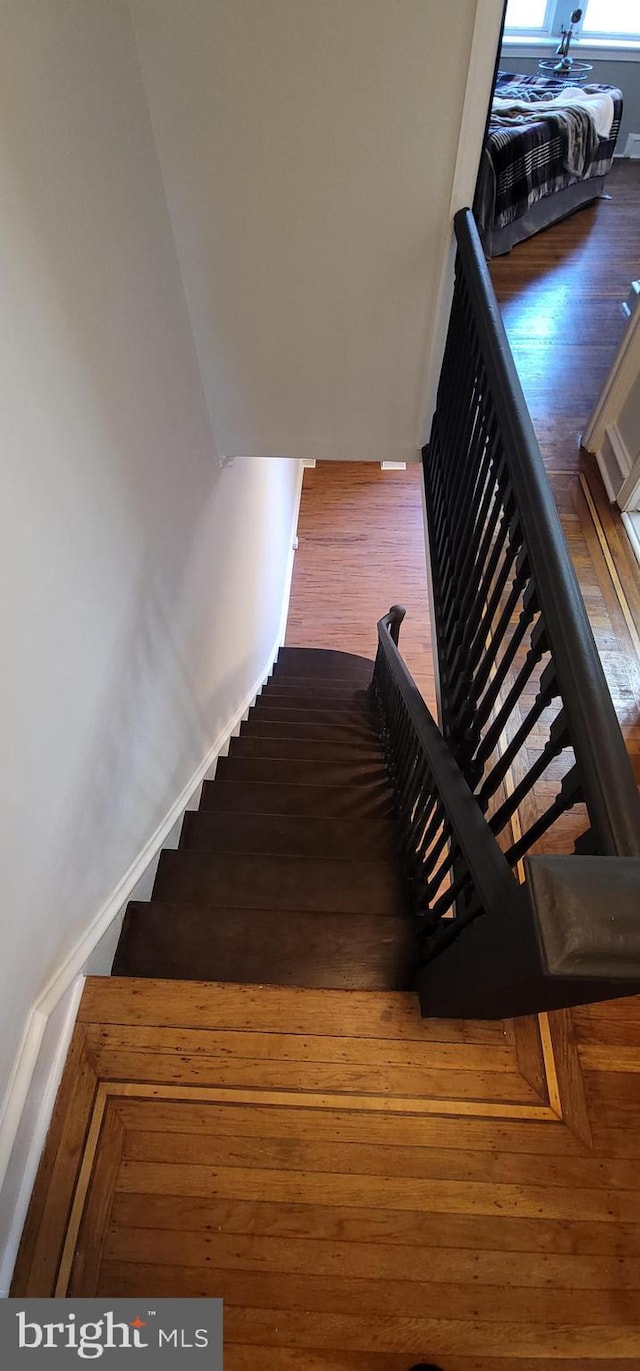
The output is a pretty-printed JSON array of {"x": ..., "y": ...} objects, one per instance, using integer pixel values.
[{"x": 529, "y": 158}]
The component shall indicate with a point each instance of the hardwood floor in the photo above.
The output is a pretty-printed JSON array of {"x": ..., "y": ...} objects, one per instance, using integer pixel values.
[
  {"x": 361, "y": 549},
  {"x": 362, "y": 1187},
  {"x": 560, "y": 295},
  {"x": 366, "y": 1189}
]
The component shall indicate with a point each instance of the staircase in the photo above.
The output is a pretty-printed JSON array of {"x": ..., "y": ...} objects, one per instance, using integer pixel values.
[
  {"x": 514, "y": 820},
  {"x": 289, "y": 872}
]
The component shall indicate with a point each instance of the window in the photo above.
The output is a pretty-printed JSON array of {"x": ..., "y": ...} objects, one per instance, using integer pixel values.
[
  {"x": 601, "y": 19},
  {"x": 611, "y": 18},
  {"x": 527, "y": 15}
]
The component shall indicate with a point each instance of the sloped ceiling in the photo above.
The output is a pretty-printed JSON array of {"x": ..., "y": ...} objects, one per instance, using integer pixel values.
[{"x": 308, "y": 150}]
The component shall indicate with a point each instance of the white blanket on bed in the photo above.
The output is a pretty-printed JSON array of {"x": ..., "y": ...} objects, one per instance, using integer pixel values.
[{"x": 597, "y": 104}]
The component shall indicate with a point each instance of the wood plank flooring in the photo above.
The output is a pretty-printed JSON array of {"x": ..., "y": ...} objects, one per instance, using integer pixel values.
[
  {"x": 560, "y": 295},
  {"x": 361, "y": 549},
  {"x": 366, "y": 1189},
  {"x": 362, "y": 1187}
]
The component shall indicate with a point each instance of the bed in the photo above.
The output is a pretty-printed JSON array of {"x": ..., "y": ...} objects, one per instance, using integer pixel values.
[{"x": 540, "y": 164}]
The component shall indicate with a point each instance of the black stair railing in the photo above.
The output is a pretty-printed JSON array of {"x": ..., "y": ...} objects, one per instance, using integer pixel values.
[{"x": 530, "y": 752}]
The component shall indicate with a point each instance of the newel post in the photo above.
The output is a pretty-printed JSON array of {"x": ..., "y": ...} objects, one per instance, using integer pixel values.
[{"x": 395, "y": 616}]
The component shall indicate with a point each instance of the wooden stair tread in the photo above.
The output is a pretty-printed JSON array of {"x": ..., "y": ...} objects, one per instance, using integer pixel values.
[
  {"x": 330, "y": 686},
  {"x": 267, "y": 744},
  {"x": 275, "y": 797},
  {"x": 279, "y": 710},
  {"x": 257, "y": 946},
  {"x": 358, "y": 682},
  {"x": 321, "y": 661},
  {"x": 299, "y": 884},
  {"x": 245, "y": 1007},
  {"x": 334, "y": 693},
  {"x": 301, "y": 771},
  {"x": 294, "y": 834},
  {"x": 262, "y": 724}
]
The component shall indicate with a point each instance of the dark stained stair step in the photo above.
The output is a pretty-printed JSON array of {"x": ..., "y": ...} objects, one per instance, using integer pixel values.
[
  {"x": 331, "y": 686},
  {"x": 289, "y": 872},
  {"x": 263, "y": 725},
  {"x": 297, "y": 884},
  {"x": 318, "y": 661},
  {"x": 276, "y": 746},
  {"x": 301, "y": 698},
  {"x": 291, "y": 835},
  {"x": 359, "y": 681},
  {"x": 276, "y": 709},
  {"x": 255, "y": 947},
  {"x": 375, "y": 800},
  {"x": 300, "y": 771}
]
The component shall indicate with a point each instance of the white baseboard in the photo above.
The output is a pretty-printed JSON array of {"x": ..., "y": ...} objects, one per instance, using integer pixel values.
[
  {"x": 614, "y": 461},
  {"x": 35, "y": 1077},
  {"x": 631, "y": 521},
  {"x": 50, "y": 1042}
]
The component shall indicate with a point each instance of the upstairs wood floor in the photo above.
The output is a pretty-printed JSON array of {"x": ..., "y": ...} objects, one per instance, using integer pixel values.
[{"x": 365, "y": 1189}]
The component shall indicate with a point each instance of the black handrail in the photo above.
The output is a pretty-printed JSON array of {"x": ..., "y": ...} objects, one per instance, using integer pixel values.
[
  {"x": 524, "y": 706},
  {"x": 489, "y": 946},
  {"x": 483, "y": 439},
  {"x": 444, "y": 832}
]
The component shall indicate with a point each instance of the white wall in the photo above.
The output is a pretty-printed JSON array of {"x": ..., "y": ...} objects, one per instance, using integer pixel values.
[
  {"x": 308, "y": 151},
  {"x": 142, "y": 585}
]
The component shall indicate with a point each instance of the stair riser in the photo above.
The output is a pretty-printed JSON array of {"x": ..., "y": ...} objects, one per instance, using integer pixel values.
[
  {"x": 297, "y": 884},
  {"x": 208, "y": 831},
  {"x": 358, "y": 702},
  {"x": 312, "y": 685},
  {"x": 280, "y": 711},
  {"x": 301, "y": 749},
  {"x": 302, "y": 772},
  {"x": 263, "y": 725},
  {"x": 258, "y": 948},
  {"x": 374, "y": 801},
  {"x": 347, "y": 685}
]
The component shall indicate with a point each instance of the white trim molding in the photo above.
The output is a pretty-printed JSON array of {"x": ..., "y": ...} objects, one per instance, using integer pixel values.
[
  {"x": 631, "y": 521},
  {"x": 28, "y": 1064},
  {"x": 37, "y": 1069},
  {"x": 614, "y": 462},
  {"x": 623, "y": 374},
  {"x": 586, "y": 49},
  {"x": 629, "y": 493},
  {"x": 41, "y": 1070},
  {"x": 604, "y": 434}
]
